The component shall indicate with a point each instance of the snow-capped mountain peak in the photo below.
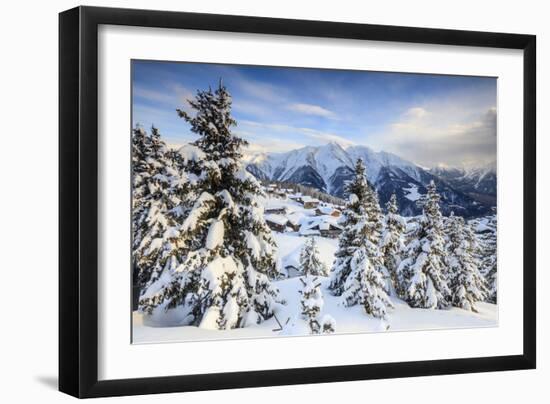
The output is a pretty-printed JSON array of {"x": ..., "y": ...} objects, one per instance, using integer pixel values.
[
  {"x": 480, "y": 181},
  {"x": 328, "y": 167}
]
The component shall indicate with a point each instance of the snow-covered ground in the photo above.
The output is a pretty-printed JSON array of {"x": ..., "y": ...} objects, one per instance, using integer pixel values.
[{"x": 348, "y": 319}]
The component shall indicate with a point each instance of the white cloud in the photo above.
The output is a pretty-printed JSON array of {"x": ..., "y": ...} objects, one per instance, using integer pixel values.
[
  {"x": 263, "y": 91},
  {"x": 251, "y": 108},
  {"x": 182, "y": 93},
  {"x": 285, "y": 137},
  {"x": 175, "y": 96},
  {"x": 310, "y": 109},
  {"x": 152, "y": 95},
  {"x": 416, "y": 112},
  {"x": 326, "y": 137},
  {"x": 442, "y": 134},
  {"x": 260, "y": 145}
]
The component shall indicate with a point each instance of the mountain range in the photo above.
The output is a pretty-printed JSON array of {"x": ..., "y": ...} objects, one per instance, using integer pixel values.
[
  {"x": 468, "y": 193},
  {"x": 479, "y": 182}
]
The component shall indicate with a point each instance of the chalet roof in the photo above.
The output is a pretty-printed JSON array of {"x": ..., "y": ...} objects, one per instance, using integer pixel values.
[
  {"x": 307, "y": 198},
  {"x": 277, "y": 219},
  {"x": 327, "y": 210},
  {"x": 274, "y": 204},
  {"x": 320, "y": 222},
  {"x": 296, "y": 217}
]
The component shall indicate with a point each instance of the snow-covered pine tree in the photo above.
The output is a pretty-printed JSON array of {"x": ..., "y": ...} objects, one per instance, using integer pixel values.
[
  {"x": 357, "y": 273},
  {"x": 391, "y": 243},
  {"x": 466, "y": 282},
  {"x": 158, "y": 190},
  {"x": 311, "y": 302},
  {"x": 227, "y": 251},
  {"x": 365, "y": 285},
  {"x": 328, "y": 324},
  {"x": 355, "y": 212},
  {"x": 310, "y": 263},
  {"x": 140, "y": 175},
  {"x": 488, "y": 247},
  {"x": 422, "y": 273}
]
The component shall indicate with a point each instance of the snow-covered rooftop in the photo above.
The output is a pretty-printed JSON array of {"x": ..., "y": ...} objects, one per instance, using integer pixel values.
[
  {"x": 327, "y": 210},
  {"x": 274, "y": 204},
  {"x": 296, "y": 217},
  {"x": 323, "y": 222},
  {"x": 277, "y": 219},
  {"x": 307, "y": 198}
]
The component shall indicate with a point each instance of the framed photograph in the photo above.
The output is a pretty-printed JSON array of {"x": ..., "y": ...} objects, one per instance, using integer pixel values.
[{"x": 251, "y": 201}]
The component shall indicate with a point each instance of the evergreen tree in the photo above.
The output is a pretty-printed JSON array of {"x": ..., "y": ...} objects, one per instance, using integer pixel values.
[
  {"x": 310, "y": 263},
  {"x": 328, "y": 324},
  {"x": 466, "y": 282},
  {"x": 488, "y": 247},
  {"x": 226, "y": 251},
  {"x": 158, "y": 189},
  {"x": 365, "y": 285},
  {"x": 311, "y": 302},
  {"x": 357, "y": 273},
  {"x": 140, "y": 175},
  {"x": 391, "y": 244},
  {"x": 422, "y": 273}
]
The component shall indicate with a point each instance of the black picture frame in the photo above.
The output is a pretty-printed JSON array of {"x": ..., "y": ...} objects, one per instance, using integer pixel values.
[{"x": 78, "y": 201}]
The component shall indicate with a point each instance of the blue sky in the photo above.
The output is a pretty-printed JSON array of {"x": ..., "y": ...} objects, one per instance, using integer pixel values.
[{"x": 428, "y": 119}]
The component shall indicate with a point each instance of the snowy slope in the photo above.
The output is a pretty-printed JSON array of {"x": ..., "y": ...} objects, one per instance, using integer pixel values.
[
  {"x": 348, "y": 320},
  {"x": 163, "y": 327}
]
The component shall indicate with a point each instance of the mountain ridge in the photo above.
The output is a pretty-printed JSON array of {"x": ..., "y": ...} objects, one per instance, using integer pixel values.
[{"x": 329, "y": 166}]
